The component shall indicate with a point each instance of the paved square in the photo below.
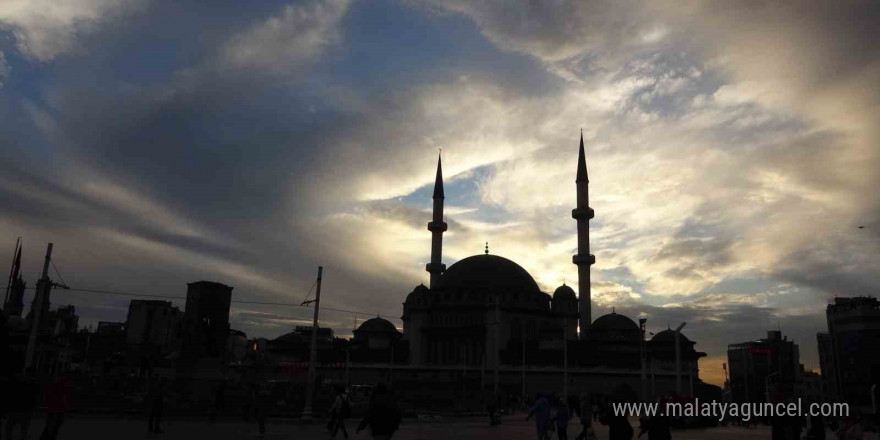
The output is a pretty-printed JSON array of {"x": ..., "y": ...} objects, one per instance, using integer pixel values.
[{"x": 93, "y": 428}]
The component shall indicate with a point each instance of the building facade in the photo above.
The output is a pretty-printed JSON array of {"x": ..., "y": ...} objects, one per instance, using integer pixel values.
[
  {"x": 764, "y": 370},
  {"x": 854, "y": 333},
  {"x": 206, "y": 320},
  {"x": 153, "y": 323}
]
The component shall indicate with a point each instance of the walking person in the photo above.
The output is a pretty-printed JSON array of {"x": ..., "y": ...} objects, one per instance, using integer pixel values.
[
  {"x": 586, "y": 416},
  {"x": 57, "y": 404},
  {"x": 541, "y": 411},
  {"x": 561, "y": 418},
  {"x": 340, "y": 411},
  {"x": 262, "y": 400},
  {"x": 219, "y": 400},
  {"x": 383, "y": 416},
  {"x": 618, "y": 424},
  {"x": 22, "y": 399},
  {"x": 157, "y": 405}
]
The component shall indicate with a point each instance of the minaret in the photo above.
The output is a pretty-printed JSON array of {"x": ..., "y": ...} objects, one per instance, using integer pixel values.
[
  {"x": 437, "y": 227},
  {"x": 583, "y": 213}
]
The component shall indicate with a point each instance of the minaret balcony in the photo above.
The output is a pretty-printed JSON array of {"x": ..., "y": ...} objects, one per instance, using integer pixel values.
[
  {"x": 437, "y": 226},
  {"x": 583, "y": 259},
  {"x": 582, "y": 213},
  {"x": 435, "y": 267}
]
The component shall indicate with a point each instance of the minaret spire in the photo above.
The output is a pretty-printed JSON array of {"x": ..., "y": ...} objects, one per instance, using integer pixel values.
[
  {"x": 582, "y": 163},
  {"x": 438, "y": 182},
  {"x": 583, "y": 213},
  {"x": 437, "y": 227}
]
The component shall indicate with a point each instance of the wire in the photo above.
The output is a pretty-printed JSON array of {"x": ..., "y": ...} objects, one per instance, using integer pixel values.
[
  {"x": 182, "y": 298},
  {"x": 56, "y": 272},
  {"x": 310, "y": 291}
]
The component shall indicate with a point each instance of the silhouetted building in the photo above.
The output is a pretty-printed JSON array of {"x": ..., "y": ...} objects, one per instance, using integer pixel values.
[
  {"x": 761, "y": 370},
  {"x": 377, "y": 340},
  {"x": 813, "y": 387},
  {"x": 661, "y": 357},
  {"x": 62, "y": 321},
  {"x": 236, "y": 345},
  {"x": 826, "y": 364},
  {"x": 854, "y": 331},
  {"x": 100, "y": 350},
  {"x": 153, "y": 323},
  {"x": 152, "y": 332},
  {"x": 206, "y": 320}
]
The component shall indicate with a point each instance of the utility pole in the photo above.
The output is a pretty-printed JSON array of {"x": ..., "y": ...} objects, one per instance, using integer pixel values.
[
  {"x": 678, "y": 358},
  {"x": 43, "y": 287},
  {"x": 313, "y": 351}
]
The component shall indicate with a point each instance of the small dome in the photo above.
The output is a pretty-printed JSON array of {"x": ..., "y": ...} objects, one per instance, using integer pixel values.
[
  {"x": 669, "y": 335},
  {"x": 613, "y": 321},
  {"x": 417, "y": 293},
  {"x": 377, "y": 325},
  {"x": 564, "y": 292}
]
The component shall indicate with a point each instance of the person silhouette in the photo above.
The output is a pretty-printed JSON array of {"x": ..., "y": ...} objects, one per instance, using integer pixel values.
[
  {"x": 262, "y": 404},
  {"x": 340, "y": 411},
  {"x": 21, "y": 401},
  {"x": 157, "y": 404},
  {"x": 541, "y": 411},
  {"x": 383, "y": 416},
  {"x": 57, "y": 404}
]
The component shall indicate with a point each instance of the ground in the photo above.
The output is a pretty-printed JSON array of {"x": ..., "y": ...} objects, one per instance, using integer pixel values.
[{"x": 514, "y": 428}]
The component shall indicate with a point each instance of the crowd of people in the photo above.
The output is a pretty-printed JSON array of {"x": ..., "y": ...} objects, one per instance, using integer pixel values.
[{"x": 555, "y": 418}]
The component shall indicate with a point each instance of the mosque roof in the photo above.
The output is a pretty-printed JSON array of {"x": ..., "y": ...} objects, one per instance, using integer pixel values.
[
  {"x": 488, "y": 272},
  {"x": 613, "y": 321},
  {"x": 377, "y": 325},
  {"x": 564, "y": 292},
  {"x": 669, "y": 335}
]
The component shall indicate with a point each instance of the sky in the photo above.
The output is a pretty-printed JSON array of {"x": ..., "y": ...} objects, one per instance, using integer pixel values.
[{"x": 732, "y": 150}]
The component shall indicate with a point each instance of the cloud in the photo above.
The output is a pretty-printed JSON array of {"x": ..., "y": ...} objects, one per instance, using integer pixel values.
[
  {"x": 296, "y": 35},
  {"x": 560, "y": 30},
  {"x": 731, "y": 151},
  {"x": 4, "y": 69},
  {"x": 45, "y": 29}
]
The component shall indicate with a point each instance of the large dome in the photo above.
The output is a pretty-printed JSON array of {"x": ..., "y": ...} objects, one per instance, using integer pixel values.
[{"x": 487, "y": 272}]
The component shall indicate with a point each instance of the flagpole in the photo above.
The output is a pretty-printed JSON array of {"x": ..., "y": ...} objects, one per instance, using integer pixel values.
[{"x": 12, "y": 269}]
